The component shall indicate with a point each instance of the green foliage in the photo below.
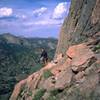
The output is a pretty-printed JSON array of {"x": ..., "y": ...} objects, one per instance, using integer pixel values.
[
  {"x": 97, "y": 48},
  {"x": 94, "y": 96},
  {"x": 47, "y": 74},
  {"x": 23, "y": 90},
  {"x": 54, "y": 92},
  {"x": 19, "y": 58},
  {"x": 72, "y": 7},
  {"x": 52, "y": 98},
  {"x": 39, "y": 94},
  {"x": 74, "y": 93},
  {"x": 30, "y": 93},
  {"x": 36, "y": 67},
  {"x": 97, "y": 65}
]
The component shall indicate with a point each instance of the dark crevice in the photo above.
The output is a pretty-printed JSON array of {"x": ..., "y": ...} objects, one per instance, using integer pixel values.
[
  {"x": 85, "y": 1},
  {"x": 69, "y": 57},
  {"x": 75, "y": 72},
  {"x": 76, "y": 22},
  {"x": 60, "y": 90}
]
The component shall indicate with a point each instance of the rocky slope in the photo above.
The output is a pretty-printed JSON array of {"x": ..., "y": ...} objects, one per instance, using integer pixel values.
[
  {"x": 75, "y": 72},
  {"x": 19, "y": 58}
]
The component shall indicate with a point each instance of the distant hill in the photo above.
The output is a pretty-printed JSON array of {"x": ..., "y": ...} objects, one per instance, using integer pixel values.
[{"x": 19, "y": 58}]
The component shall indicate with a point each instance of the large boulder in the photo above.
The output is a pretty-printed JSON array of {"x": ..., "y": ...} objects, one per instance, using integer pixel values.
[
  {"x": 81, "y": 56},
  {"x": 64, "y": 79}
]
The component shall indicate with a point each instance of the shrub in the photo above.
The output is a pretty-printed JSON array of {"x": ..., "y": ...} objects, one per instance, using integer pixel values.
[
  {"x": 97, "y": 48},
  {"x": 47, "y": 74},
  {"x": 53, "y": 94},
  {"x": 30, "y": 93},
  {"x": 39, "y": 94},
  {"x": 35, "y": 68},
  {"x": 52, "y": 98}
]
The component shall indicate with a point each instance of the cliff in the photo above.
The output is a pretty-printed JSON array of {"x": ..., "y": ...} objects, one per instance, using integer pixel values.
[
  {"x": 75, "y": 72},
  {"x": 82, "y": 23}
]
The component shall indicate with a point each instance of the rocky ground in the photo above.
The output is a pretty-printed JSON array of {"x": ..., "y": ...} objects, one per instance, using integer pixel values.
[{"x": 78, "y": 76}]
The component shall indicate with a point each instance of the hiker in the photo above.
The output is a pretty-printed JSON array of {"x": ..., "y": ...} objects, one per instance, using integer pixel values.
[{"x": 44, "y": 56}]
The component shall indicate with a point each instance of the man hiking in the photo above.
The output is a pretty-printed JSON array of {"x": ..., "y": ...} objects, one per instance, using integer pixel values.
[{"x": 44, "y": 56}]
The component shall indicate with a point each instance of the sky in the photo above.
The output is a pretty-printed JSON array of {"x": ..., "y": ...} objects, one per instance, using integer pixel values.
[{"x": 33, "y": 18}]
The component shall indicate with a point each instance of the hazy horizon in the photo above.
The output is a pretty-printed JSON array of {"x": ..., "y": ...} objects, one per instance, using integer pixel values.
[
  {"x": 29, "y": 18},
  {"x": 21, "y": 36}
]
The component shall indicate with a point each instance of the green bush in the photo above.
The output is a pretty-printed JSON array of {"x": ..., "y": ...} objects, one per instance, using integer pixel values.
[
  {"x": 97, "y": 47},
  {"x": 35, "y": 68},
  {"x": 54, "y": 92},
  {"x": 47, "y": 74},
  {"x": 52, "y": 98},
  {"x": 39, "y": 94},
  {"x": 30, "y": 93}
]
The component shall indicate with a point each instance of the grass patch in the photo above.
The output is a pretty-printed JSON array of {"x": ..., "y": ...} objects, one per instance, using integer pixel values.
[
  {"x": 39, "y": 94},
  {"x": 53, "y": 94},
  {"x": 38, "y": 66},
  {"x": 30, "y": 93},
  {"x": 52, "y": 98},
  {"x": 47, "y": 74},
  {"x": 97, "y": 48},
  {"x": 23, "y": 90}
]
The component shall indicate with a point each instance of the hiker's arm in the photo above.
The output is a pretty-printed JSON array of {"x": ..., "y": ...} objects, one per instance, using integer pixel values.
[{"x": 42, "y": 54}]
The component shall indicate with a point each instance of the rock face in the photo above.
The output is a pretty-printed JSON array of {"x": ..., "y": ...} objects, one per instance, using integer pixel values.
[
  {"x": 75, "y": 72},
  {"x": 83, "y": 22}
]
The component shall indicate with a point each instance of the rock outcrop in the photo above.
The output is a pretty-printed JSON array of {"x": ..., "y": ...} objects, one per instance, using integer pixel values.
[
  {"x": 75, "y": 72},
  {"x": 82, "y": 23},
  {"x": 80, "y": 72}
]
